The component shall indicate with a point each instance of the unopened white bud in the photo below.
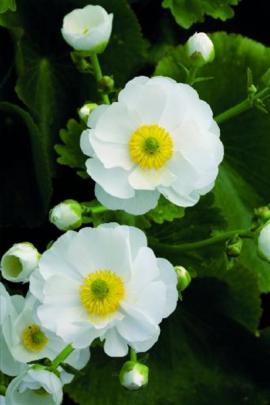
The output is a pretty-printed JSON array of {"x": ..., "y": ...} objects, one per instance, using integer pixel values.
[
  {"x": 66, "y": 215},
  {"x": 183, "y": 278},
  {"x": 19, "y": 262},
  {"x": 200, "y": 46},
  {"x": 86, "y": 110},
  {"x": 88, "y": 29},
  {"x": 264, "y": 242},
  {"x": 134, "y": 375}
]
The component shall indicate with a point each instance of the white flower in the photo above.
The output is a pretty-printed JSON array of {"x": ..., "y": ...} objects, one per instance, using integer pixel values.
[
  {"x": 200, "y": 44},
  {"x": 66, "y": 215},
  {"x": 8, "y": 365},
  {"x": 104, "y": 282},
  {"x": 264, "y": 242},
  {"x": 159, "y": 137},
  {"x": 2, "y": 400},
  {"x": 19, "y": 262},
  {"x": 27, "y": 340},
  {"x": 35, "y": 386},
  {"x": 88, "y": 29},
  {"x": 134, "y": 375}
]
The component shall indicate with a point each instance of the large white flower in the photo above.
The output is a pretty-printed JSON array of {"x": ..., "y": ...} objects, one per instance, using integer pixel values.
[
  {"x": 104, "y": 282},
  {"x": 159, "y": 137},
  {"x": 88, "y": 29},
  {"x": 35, "y": 386},
  {"x": 264, "y": 242}
]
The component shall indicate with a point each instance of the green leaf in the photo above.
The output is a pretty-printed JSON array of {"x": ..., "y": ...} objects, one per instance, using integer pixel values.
[
  {"x": 244, "y": 181},
  {"x": 201, "y": 357},
  {"x": 6, "y": 5},
  {"x": 69, "y": 152},
  {"x": 21, "y": 185},
  {"x": 165, "y": 211},
  {"x": 188, "y": 12}
]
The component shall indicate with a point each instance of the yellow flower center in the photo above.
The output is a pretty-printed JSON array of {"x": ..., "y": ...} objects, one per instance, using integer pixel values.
[
  {"x": 150, "y": 146},
  {"x": 33, "y": 339},
  {"x": 102, "y": 292}
]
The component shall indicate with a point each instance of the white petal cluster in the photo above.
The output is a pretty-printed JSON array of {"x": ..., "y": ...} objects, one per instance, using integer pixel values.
[
  {"x": 104, "y": 282},
  {"x": 88, "y": 29},
  {"x": 187, "y": 161},
  {"x": 19, "y": 262},
  {"x": 134, "y": 375},
  {"x": 18, "y": 316},
  {"x": 201, "y": 44},
  {"x": 264, "y": 242},
  {"x": 35, "y": 386},
  {"x": 66, "y": 215}
]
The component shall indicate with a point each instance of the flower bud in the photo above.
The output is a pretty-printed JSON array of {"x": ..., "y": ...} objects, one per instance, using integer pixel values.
[
  {"x": 264, "y": 242},
  {"x": 19, "y": 262},
  {"x": 200, "y": 48},
  {"x": 86, "y": 110},
  {"x": 263, "y": 213},
  {"x": 88, "y": 29},
  {"x": 183, "y": 278},
  {"x": 106, "y": 84},
  {"x": 134, "y": 375},
  {"x": 234, "y": 247},
  {"x": 66, "y": 215}
]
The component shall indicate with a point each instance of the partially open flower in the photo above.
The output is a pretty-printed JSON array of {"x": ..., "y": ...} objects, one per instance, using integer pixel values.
[
  {"x": 66, "y": 215},
  {"x": 88, "y": 29},
  {"x": 264, "y": 242},
  {"x": 134, "y": 375},
  {"x": 200, "y": 46},
  {"x": 158, "y": 138},
  {"x": 104, "y": 282},
  {"x": 19, "y": 262},
  {"x": 35, "y": 386}
]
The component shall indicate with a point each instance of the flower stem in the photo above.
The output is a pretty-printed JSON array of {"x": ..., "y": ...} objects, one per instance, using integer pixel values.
[
  {"x": 61, "y": 357},
  {"x": 239, "y": 108},
  {"x": 2, "y": 390},
  {"x": 133, "y": 355},
  {"x": 185, "y": 247},
  {"x": 99, "y": 75}
]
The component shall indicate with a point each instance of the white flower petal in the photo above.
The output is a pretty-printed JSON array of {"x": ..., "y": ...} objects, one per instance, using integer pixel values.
[
  {"x": 85, "y": 143},
  {"x": 141, "y": 179},
  {"x": 115, "y": 345},
  {"x": 168, "y": 276}
]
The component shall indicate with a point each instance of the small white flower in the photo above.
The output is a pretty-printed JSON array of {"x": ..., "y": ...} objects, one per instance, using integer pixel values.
[
  {"x": 35, "y": 386},
  {"x": 19, "y": 262},
  {"x": 158, "y": 138},
  {"x": 134, "y": 375},
  {"x": 88, "y": 29},
  {"x": 66, "y": 215},
  {"x": 200, "y": 44},
  {"x": 104, "y": 282},
  {"x": 264, "y": 242}
]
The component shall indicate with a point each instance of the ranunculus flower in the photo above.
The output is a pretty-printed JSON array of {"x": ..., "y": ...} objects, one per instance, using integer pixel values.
[
  {"x": 35, "y": 386},
  {"x": 66, "y": 215},
  {"x": 104, "y": 282},
  {"x": 264, "y": 242},
  {"x": 201, "y": 45},
  {"x": 19, "y": 262},
  {"x": 88, "y": 29},
  {"x": 158, "y": 138}
]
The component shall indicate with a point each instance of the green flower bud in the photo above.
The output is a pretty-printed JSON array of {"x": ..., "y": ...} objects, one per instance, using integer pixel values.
[
  {"x": 86, "y": 110},
  {"x": 106, "y": 84},
  {"x": 234, "y": 247},
  {"x": 134, "y": 375},
  {"x": 183, "y": 278},
  {"x": 66, "y": 215},
  {"x": 263, "y": 213}
]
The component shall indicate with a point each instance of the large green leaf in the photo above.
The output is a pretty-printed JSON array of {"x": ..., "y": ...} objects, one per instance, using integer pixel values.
[
  {"x": 188, "y": 12},
  {"x": 244, "y": 180},
  {"x": 27, "y": 183},
  {"x": 201, "y": 358},
  {"x": 6, "y": 5}
]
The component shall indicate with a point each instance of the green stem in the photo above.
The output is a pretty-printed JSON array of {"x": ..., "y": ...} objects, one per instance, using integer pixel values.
[
  {"x": 2, "y": 390},
  {"x": 61, "y": 357},
  {"x": 99, "y": 75},
  {"x": 185, "y": 247},
  {"x": 239, "y": 108},
  {"x": 192, "y": 75},
  {"x": 133, "y": 355}
]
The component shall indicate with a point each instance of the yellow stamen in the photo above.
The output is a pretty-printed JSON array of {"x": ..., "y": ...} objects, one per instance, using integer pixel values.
[
  {"x": 33, "y": 339},
  {"x": 150, "y": 146},
  {"x": 102, "y": 292}
]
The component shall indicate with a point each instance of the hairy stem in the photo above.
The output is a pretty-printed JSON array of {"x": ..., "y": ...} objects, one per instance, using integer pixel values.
[{"x": 99, "y": 75}]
